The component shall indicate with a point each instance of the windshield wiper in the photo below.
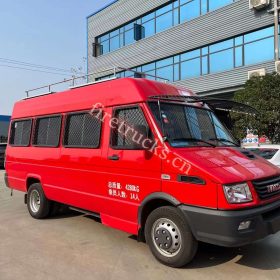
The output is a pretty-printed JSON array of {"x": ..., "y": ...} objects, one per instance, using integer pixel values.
[
  {"x": 193, "y": 140},
  {"x": 224, "y": 140}
]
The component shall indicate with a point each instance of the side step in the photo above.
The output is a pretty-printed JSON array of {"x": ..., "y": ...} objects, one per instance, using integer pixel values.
[{"x": 96, "y": 215}]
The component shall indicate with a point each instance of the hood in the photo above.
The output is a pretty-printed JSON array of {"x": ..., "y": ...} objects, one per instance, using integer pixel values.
[{"x": 229, "y": 164}]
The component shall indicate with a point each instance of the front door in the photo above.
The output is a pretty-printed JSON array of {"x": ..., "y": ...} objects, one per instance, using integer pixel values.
[{"x": 133, "y": 171}]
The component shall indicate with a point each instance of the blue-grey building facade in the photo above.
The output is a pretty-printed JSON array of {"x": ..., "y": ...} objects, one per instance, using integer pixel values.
[
  {"x": 208, "y": 46},
  {"x": 4, "y": 127}
]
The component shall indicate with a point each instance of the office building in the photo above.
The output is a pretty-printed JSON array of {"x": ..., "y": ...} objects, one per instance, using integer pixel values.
[{"x": 209, "y": 46}]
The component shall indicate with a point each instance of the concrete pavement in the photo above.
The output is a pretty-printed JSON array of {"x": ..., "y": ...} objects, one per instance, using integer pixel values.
[{"x": 78, "y": 247}]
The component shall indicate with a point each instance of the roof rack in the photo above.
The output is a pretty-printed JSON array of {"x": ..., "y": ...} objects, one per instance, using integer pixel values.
[
  {"x": 213, "y": 103},
  {"x": 108, "y": 72}
]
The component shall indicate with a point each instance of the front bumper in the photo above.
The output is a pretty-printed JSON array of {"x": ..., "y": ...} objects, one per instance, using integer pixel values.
[{"x": 221, "y": 227}]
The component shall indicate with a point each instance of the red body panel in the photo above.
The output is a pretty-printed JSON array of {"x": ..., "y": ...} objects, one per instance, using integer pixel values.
[{"x": 86, "y": 179}]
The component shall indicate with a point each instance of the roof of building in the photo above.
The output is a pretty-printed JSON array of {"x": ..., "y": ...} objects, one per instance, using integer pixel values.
[
  {"x": 103, "y": 8},
  {"x": 5, "y": 118}
]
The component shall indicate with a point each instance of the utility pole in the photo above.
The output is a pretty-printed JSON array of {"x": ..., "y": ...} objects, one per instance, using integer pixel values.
[{"x": 275, "y": 11}]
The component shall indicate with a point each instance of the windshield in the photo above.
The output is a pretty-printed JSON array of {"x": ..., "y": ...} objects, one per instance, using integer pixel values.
[
  {"x": 185, "y": 126},
  {"x": 265, "y": 152}
]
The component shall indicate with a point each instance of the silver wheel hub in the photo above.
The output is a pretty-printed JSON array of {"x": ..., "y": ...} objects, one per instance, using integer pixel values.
[
  {"x": 166, "y": 237},
  {"x": 35, "y": 201}
]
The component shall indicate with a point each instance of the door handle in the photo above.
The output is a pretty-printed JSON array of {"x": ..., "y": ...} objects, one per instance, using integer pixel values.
[{"x": 114, "y": 157}]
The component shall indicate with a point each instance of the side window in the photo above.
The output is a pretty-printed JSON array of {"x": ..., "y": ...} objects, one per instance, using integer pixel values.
[
  {"x": 82, "y": 130},
  {"x": 20, "y": 133},
  {"x": 47, "y": 131},
  {"x": 131, "y": 129}
]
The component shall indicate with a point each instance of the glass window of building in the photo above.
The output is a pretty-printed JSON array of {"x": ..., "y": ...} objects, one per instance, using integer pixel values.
[
  {"x": 165, "y": 73},
  {"x": 149, "y": 28},
  {"x": 129, "y": 37},
  {"x": 259, "y": 51},
  {"x": 190, "y": 68},
  {"x": 248, "y": 49},
  {"x": 176, "y": 72},
  {"x": 164, "y": 62},
  {"x": 161, "y": 19},
  {"x": 164, "y": 22},
  {"x": 238, "y": 56},
  {"x": 149, "y": 67},
  {"x": 205, "y": 65},
  {"x": 216, "y": 4},
  {"x": 189, "y": 10},
  {"x": 263, "y": 33},
  {"x": 221, "y": 61},
  {"x": 115, "y": 43}
]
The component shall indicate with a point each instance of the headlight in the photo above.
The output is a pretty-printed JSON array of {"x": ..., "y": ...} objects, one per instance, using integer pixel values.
[{"x": 239, "y": 193}]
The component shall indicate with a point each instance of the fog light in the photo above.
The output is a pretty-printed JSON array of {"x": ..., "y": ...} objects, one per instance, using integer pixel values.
[{"x": 244, "y": 225}]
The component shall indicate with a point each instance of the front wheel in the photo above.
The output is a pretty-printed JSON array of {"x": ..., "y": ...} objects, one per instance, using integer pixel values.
[
  {"x": 169, "y": 237},
  {"x": 37, "y": 203}
]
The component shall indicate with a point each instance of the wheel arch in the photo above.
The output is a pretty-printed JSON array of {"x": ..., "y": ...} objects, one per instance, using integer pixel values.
[
  {"x": 152, "y": 202},
  {"x": 32, "y": 179}
]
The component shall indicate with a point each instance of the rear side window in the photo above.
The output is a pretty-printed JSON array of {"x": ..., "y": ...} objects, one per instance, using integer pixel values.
[
  {"x": 20, "y": 133},
  {"x": 47, "y": 131},
  {"x": 82, "y": 130},
  {"x": 131, "y": 121}
]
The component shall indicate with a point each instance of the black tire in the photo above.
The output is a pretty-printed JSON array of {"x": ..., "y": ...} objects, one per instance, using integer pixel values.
[
  {"x": 41, "y": 210},
  {"x": 162, "y": 224}
]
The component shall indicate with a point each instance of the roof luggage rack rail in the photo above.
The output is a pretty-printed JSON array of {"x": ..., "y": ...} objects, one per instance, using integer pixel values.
[
  {"x": 212, "y": 102},
  {"x": 113, "y": 72}
]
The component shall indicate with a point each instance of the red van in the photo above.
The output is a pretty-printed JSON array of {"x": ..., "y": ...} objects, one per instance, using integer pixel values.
[{"x": 148, "y": 158}]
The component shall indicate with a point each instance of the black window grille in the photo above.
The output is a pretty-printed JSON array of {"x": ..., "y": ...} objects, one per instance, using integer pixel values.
[
  {"x": 3, "y": 139},
  {"x": 131, "y": 125},
  {"x": 20, "y": 133},
  {"x": 83, "y": 130},
  {"x": 47, "y": 131},
  {"x": 184, "y": 122}
]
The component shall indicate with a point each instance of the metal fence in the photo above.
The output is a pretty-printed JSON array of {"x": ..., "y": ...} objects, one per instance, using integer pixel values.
[{"x": 3, "y": 139}]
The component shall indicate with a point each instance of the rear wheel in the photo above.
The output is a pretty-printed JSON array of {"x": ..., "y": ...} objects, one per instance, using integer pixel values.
[
  {"x": 169, "y": 237},
  {"x": 37, "y": 203}
]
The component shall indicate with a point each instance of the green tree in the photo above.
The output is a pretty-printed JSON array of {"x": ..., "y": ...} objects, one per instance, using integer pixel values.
[{"x": 262, "y": 93}]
